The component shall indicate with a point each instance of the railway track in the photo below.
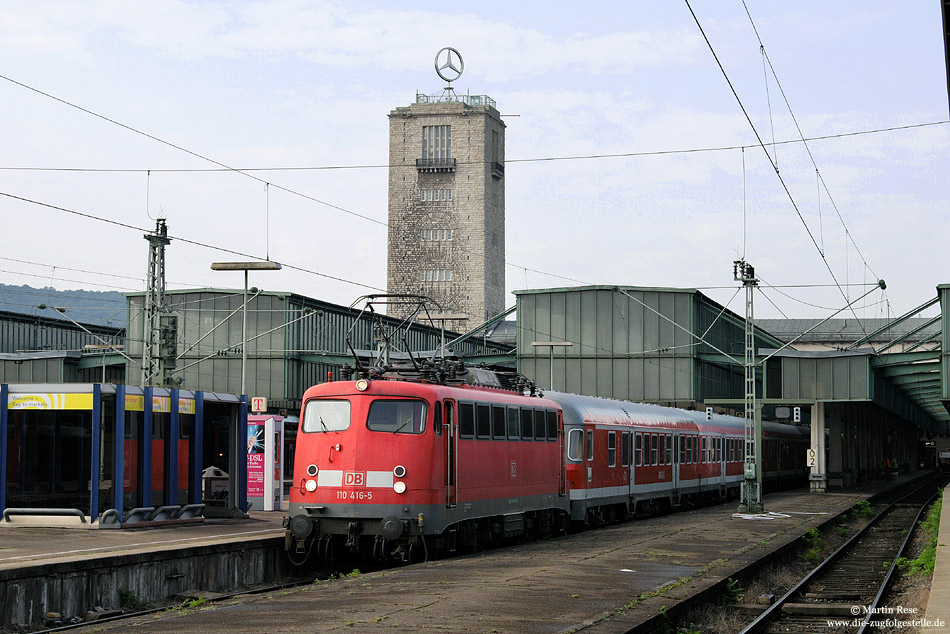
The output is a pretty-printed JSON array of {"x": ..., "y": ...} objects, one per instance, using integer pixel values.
[{"x": 844, "y": 592}]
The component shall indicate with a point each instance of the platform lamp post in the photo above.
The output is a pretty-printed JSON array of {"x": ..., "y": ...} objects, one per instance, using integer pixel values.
[
  {"x": 552, "y": 345},
  {"x": 245, "y": 266}
]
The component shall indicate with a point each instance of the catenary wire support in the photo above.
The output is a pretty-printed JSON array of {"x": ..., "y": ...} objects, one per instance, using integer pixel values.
[
  {"x": 751, "y": 501},
  {"x": 152, "y": 365}
]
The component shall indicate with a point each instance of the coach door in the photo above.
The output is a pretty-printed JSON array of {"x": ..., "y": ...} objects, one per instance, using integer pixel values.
[
  {"x": 675, "y": 468},
  {"x": 451, "y": 454}
]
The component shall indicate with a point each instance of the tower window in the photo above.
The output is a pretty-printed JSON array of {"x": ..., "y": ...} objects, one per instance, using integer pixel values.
[
  {"x": 436, "y": 235},
  {"x": 435, "y": 195},
  {"x": 436, "y": 142},
  {"x": 435, "y": 275}
]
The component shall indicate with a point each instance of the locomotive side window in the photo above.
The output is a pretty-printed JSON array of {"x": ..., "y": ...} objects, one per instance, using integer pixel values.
[
  {"x": 527, "y": 424},
  {"x": 514, "y": 424},
  {"x": 611, "y": 449},
  {"x": 397, "y": 417},
  {"x": 550, "y": 417},
  {"x": 498, "y": 422},
  {"x": 575, "y": 444},
  {"x": 322, "y": 416},
  {"x": 638, "y": 450},
  {"x": 539, "y": 424},
  {"x": 590, "y": 444},
  {"x": 482, "y": 421},
  {"x": 625, "y": 449},
  {"x": 437, "y": 418},
  {"x": 466, "y": 420}
]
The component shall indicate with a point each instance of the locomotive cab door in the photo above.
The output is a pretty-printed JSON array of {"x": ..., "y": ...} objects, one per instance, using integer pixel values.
[{"x": 450, "y": 429}]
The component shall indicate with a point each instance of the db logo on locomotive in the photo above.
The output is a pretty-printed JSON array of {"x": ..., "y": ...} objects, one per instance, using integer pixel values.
[{"x": 354, "y": 479}]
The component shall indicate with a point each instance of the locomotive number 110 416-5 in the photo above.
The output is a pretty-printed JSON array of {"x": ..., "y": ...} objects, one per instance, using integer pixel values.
[{"x": 354, "y": 495}]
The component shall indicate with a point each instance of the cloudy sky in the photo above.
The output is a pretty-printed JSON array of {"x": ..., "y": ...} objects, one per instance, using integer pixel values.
[{"x": 624, "y": 142}]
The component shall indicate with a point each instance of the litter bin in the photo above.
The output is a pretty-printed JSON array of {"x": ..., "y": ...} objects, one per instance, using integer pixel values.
[{"x": 214, "y": 486}]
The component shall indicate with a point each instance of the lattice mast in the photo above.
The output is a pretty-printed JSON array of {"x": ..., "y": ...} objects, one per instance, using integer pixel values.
[
  {"x": 751, "y": 500},
  {"x": 153, "y": 361}
]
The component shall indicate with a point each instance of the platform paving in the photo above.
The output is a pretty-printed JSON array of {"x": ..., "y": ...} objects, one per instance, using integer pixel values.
[
  {"x": 24, "y": 543},
  {"x": 937, "y": 616},
  {"x": 599, "y": 581}
]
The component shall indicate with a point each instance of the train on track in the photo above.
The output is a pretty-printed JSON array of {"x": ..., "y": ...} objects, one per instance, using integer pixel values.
[
  {"x": 425, "y": 457},
  {"x": 390, "y": 466}
]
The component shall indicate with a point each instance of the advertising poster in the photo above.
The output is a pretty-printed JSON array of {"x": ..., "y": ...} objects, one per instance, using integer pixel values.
[{"x": 255, "y": 460}]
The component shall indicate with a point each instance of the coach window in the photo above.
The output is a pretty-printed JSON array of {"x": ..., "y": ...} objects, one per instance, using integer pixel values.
[
  {"x": 397, "y": 417},
  {"x": 466, "y": 420},
  {"x": 437, "y": 418},
  {"x": 550, "y": 417},
  {"x": 527, "y": 424},
  {"x": 669, "y": 449},
  {"x": 611, "y": 449},
  {"x": 654, "y": 450},
  {"x": 539, "y": 424},
  {"x": 638, "y": 450},
  {"x": 575, "y": 445},
  {"x": 682, "y": 448},
  {"x": 322, "y": 416},
  {"x": 590, "y": 444},
  {"x": 514, "y": 424},
  {"x": 498, "y": 422},
  {"x": 662, "y": 452},
  {"x": 625, "y": 449},
  {"x": 482, "y": 421}
]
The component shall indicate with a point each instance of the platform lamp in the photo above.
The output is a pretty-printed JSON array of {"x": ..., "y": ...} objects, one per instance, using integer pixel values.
[
  {"x": 245, "y": 266},
  {"x": 552, "y": 345}
]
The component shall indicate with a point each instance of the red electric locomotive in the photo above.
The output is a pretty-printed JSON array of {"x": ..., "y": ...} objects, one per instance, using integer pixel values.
[{"x": 387, "y": 466}]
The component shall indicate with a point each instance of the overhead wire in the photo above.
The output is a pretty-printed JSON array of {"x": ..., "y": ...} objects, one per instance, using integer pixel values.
[
  {"x": 540, "y": 159},
  {"x": 804, "y": 142},
  {"x": 183, "y": 239},
  {"x": 778, "y": 174}
]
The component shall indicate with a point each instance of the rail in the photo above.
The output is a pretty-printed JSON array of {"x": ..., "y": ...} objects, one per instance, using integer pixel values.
[{"x": 776, "y": 610}]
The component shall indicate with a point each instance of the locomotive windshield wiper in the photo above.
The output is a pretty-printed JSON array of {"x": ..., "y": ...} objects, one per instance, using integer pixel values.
[
  {"x": 322, "y": 424},
  {"x": 399, "y": 429}
]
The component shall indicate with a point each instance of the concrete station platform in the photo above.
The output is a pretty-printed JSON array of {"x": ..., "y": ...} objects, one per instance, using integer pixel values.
[
  {"x": 937, "y": 615},
  {"x": 47, "y": 541},
  {"x": 70, "y": 570},
  {"x": 605, "y": 580}
]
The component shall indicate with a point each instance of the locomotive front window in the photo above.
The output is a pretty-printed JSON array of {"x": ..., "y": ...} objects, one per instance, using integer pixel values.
[
  {"x": 322, "y": 416},
  {"x": 397, "y": 417}
]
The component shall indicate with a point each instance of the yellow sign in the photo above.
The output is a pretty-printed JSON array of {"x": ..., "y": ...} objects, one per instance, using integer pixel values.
[
  {"x": 160, "y": 404},
  {"x": 50, "y": 401}
]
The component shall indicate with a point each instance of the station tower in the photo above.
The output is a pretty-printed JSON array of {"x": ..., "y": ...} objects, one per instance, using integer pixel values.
[{"x": 447, "y": 200}]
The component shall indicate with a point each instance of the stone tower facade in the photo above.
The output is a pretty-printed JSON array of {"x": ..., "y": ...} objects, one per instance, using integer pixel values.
[{"x": 447, "y": 205}]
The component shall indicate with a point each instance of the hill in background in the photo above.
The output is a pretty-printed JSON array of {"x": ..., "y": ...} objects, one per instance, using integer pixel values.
[{"x": 104, "y": 308}]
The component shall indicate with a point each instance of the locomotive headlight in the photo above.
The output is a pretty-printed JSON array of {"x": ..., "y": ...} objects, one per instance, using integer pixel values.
[
  {"x": 399, "y": 487},
  {"x": 362, "y": 384},
  {"x": 399, "y": 471},
  {"x": 311, "y": 485},
  {"x": 312, "y": 470}
]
